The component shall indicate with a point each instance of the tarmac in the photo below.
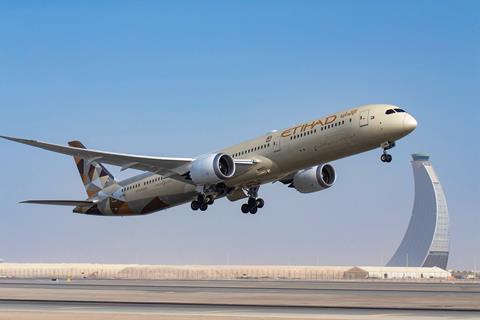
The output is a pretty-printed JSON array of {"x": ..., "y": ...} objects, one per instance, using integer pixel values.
[{"x": 237, "y": 300}]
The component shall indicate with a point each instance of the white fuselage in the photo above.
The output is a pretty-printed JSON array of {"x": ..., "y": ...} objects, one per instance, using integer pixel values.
[{"x": 284, "y": 152}]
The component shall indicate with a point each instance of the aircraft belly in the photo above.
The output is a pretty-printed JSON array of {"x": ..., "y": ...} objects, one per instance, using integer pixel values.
[
  {"x": 146, "y": 199},
  {"x": 165, "y": 194}
]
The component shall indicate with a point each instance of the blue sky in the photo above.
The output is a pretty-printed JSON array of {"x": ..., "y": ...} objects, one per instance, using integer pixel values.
[{"x": 184, "y": 78}]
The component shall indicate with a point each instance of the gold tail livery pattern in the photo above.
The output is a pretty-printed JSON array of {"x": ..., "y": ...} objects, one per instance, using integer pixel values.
[{"x": 95, "y": 176}]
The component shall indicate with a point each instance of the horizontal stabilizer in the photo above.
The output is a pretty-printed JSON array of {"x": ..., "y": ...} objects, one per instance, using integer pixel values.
[{"x": 74, "y": 203}]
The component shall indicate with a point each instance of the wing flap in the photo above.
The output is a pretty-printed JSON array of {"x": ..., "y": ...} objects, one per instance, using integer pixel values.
[{"x": 161, "y": 165}]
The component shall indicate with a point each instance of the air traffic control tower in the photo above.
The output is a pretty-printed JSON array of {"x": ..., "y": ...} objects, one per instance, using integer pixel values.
[{"x": 426, "y": 242}]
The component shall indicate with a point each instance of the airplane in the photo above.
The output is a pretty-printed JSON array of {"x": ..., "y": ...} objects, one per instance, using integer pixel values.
[{"x": 297, "y": 156}]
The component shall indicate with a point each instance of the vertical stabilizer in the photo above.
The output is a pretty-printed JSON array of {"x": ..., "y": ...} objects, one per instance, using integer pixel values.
[{"x": 94, "y": 175}]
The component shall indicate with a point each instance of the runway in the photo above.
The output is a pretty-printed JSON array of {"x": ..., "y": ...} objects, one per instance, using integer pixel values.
[{"x": 42, "y": 299}]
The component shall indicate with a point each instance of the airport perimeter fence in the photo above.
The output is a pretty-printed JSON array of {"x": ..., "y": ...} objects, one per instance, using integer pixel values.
[
  {"x": 140, "y": 272},
  {"x": 164, "y": 272}
]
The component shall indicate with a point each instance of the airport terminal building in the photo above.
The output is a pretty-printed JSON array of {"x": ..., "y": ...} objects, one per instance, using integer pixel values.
[{"x": 426, "y": 242}]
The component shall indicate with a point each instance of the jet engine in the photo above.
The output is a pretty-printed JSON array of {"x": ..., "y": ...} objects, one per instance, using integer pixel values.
[
  {"x": 212, "y": 169},
  {"x": 314, "y": 179}
]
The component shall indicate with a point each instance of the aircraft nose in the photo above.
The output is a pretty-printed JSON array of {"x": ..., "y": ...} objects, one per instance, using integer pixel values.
[{"x": 409, "y": 123}]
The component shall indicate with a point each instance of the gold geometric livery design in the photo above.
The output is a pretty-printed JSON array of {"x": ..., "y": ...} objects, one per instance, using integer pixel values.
[{"x": 95, "y": 176}]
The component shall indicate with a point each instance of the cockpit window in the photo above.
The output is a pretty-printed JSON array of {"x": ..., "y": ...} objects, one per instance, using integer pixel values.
[
  {"x": 389, "y": 111},
  {"x": 399, "y": 110}
]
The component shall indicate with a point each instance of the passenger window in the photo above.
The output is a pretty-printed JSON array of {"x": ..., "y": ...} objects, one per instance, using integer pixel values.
[{"x": 389, "y": 111}]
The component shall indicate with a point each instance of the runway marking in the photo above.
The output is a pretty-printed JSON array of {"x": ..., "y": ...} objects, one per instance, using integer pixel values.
[{"x": 92, "y": 303}]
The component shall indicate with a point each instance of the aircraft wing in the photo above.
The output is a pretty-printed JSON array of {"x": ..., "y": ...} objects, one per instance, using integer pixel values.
[
  {"x": 169, "y": 167},
  {"x": 79, "y": 203},
  {"x": 159, "y": 165}
]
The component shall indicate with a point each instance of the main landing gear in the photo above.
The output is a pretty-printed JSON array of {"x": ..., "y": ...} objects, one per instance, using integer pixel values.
[
  {"x": 254, "y": 203},
  {"x": 202, "y": 202},
  {"x": 387, "y": 146}
]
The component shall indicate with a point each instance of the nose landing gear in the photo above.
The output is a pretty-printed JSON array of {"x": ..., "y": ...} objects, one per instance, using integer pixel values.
[
  {"x": 254, "y": 203},
  {"x": 387, "y": 146}
]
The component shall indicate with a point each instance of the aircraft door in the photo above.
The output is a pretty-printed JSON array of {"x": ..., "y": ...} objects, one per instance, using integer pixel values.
[
  {"x": 276, "y": 144},
  {"x": 364, "y": 118}
]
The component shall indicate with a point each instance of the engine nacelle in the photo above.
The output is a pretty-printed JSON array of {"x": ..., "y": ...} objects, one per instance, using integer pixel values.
[
  {"x": 314, "y": 179},
  {"x": 212, "y": 169}
]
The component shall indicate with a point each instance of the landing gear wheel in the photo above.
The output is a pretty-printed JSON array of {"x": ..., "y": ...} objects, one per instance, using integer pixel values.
[
  {"x": 387, "y": 145},
  {"x": 209, "y": 200},
  {"x": 195, "y": 205},
  {"x": 254, "y": 202},
  {"x": 386, "y": 158},
  {"x": 203, "y": 206},
  {"x": 260, "y": 203}
]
